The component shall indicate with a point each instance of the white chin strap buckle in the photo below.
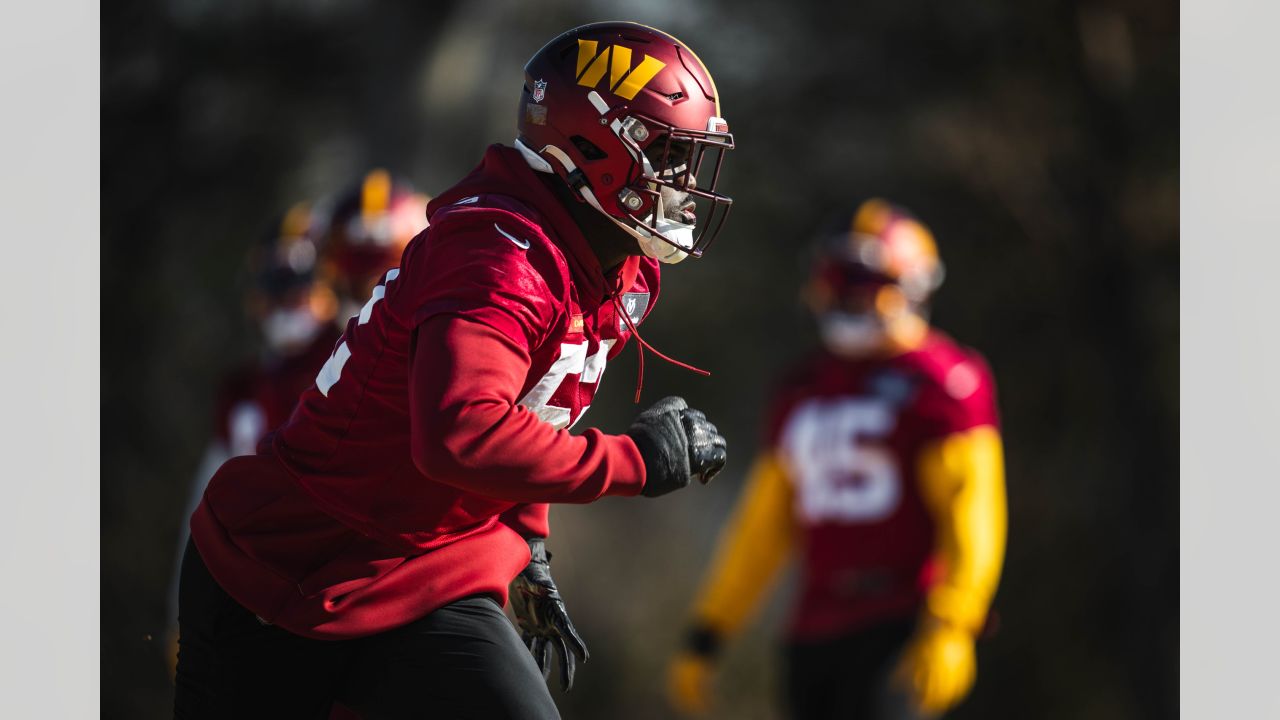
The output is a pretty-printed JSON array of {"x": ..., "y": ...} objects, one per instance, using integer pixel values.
[
  {"x": 678, "y": 237},
  {"x": 663, "y": 250}
]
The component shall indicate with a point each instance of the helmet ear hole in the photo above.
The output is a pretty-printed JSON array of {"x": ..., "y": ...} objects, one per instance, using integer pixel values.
[{"x": 588, "y": 149}]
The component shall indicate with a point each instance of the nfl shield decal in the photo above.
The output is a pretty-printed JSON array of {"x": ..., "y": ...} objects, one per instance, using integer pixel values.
[
  {"x": 635, "y": 303},
  {"x": 539, "y": 90}
]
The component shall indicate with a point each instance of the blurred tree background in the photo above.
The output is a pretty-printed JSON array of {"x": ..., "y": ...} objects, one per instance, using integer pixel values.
[{"x": 1039, "y": 140}]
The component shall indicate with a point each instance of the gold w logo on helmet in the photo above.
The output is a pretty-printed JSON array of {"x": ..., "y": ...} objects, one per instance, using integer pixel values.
[{"x": 624, "y": 81}]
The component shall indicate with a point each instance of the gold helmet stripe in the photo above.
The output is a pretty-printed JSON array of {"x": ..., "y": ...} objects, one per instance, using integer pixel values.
[
  {"x": 296, "y": 221},
  {"x": 375, "y": 194}
]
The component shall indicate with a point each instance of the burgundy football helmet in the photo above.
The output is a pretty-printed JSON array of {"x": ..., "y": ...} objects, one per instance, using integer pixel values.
[
  {"x": 290, "y": 303},
  {"x": 872, "y": 277},
  {"x": 630, "y": 118},
  {"x": 367, "y": 231}
]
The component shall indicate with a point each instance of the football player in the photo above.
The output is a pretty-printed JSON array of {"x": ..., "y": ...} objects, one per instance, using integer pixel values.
[
  {"x": 294, "y": 310},
  {"x": 881, "y": 473},
  {"x": 364, "y": 554},
  {"x": 365, "y": 234}
]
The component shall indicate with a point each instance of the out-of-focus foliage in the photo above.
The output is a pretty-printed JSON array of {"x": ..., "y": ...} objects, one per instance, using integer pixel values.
[{"x": 1038, "y": 139}]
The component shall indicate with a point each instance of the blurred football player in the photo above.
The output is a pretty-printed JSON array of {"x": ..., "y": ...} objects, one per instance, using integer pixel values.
[
  {"x": 364, "y": 554},
  {"x": 881, "y": 472},
  {"x": 295, "y": 311},
  {"x": 365, "y": 234}
]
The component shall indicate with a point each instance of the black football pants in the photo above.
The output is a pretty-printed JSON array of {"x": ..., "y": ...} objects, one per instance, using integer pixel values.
[
  {"x": 464, "y": 660},
  {"x": 849, "y": 677}
]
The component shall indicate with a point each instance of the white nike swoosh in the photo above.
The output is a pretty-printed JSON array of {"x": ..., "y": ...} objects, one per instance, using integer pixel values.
[{"x": 522, "y": 244}]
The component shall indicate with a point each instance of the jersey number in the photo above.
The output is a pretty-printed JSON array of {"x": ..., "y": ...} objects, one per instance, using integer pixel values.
[
  {"x": 842, "y": 471},
  {"x": 573, "y": 360},
  {"x": 332, "y": 370}
]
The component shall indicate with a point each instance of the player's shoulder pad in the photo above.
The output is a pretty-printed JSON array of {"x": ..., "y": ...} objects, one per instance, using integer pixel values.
[
  {"x": 958, "y": 372},
  {"x": 503, "y": 230},
  {"x": 480, "y": 211},
  {"x": 957, "y": 389}
]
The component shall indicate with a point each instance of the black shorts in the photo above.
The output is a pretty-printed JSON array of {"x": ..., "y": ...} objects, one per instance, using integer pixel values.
[
  {"x": 849, "y": 677},
  {"x": 464, "y": 660}
]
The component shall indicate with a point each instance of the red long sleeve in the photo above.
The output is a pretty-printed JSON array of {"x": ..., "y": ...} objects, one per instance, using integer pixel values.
[{"x": 467, "y": 430}]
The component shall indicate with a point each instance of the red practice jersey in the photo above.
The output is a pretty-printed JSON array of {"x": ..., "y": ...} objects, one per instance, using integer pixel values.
[
  {"x": 436, "y": 432},
  {"x": 849, "y": 434}
]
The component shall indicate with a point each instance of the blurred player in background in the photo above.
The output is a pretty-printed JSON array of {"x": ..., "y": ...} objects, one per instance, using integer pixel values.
[
  {"x": 364, "y": 554},
  {"x": 881, "y": 471},
  {"x": 367, "y": 230},
  {"x": 294, "y": 311}
]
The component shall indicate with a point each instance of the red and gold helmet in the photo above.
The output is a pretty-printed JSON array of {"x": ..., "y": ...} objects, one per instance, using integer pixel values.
[
  {"x": 367, "y": 231},
  {"x": 629, "y": 118},
  {"x": 287, "y": 299},
  {"x": 872, "y": 278}
]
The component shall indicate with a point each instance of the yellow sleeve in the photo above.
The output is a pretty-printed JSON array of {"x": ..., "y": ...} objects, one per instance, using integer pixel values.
[
  {"x": 752, "y": 548},
  {"x": 962, "y": 481}
]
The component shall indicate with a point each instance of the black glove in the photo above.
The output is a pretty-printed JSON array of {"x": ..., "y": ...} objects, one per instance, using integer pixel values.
[
  {"x": 678, "y": 444},
  {"x": 544, "y": 623}
]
